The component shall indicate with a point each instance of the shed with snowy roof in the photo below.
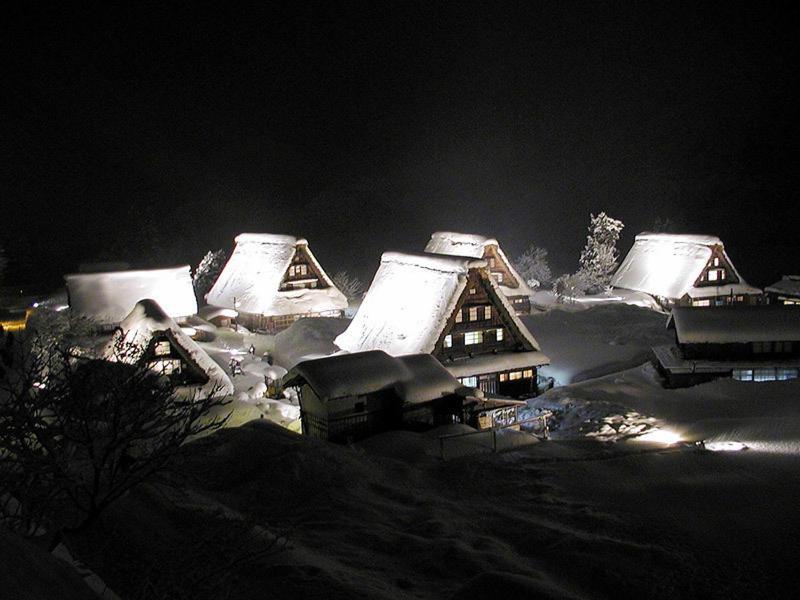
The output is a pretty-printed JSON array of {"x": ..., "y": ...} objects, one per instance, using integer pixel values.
[
  {"x": 151, "y": 336},
  {"x": 273, "y": 280},
  {"x": 749, "y": 343},
  {"x": 515, "y": 288},
  {"x": 351, "y": 396},
  {"x": 107, "y": 297},
  {"x": 683, "y": 270},
  {"x": 450, "y": 307},
  {"x": 785, "y": 291}
]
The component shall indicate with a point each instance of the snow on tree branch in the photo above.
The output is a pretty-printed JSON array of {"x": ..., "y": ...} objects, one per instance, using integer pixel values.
[
  {"x": 350, "y": 286},
  {"x": 533, "y": 266},
  {"x": 599, "y": 257}
]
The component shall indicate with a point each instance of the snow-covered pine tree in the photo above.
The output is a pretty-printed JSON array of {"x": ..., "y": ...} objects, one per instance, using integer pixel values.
[
  {"x": 599, "y": 257},
  {"x": 533, "y": 266},
  {"x": 207, "y": 271}
]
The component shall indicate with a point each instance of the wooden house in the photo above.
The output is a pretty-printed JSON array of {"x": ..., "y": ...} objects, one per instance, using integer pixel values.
[
  {"x": 785, "y": 291},
  {"x": 451, "y": 307},
  {"x": 508, "y": 280},
  {"x": 107, "y": 297},
  {"x": 351, "y": 396},
  {"x": 748, "y": 343},
  {"x": 683, "y": 270},
  {"x": 151, "y": 336},
  {"x": 273, "y": 280}
]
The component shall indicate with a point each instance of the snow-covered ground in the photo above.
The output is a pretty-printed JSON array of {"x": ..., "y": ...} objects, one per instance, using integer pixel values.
[{"x": 596, "y": 341}]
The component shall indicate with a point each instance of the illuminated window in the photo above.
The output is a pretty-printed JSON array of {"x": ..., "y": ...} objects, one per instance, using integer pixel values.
[
  {"x": 162, "y": 348},
  {"x": 503, "y": 376},
  {"x": 712, "y": 275},
  {"x": 473, "y": 313},
  {"x": 743, "y": 374},
  {"x": 527, "y": 373},
  {"x": 473, "y": 337},
  {"x": 487, "y": 312},
  {"x": 784, "y": 374},
  {"x": 498, "y": 335},
  {"x": 472, "y": 290},
  {"x": 296, "y": 270},
  {"x": 498, "y": 277},
  {"x": 515, "y": 375},
  {"x": 716, "y": 261},
  {"x": 459, "y": 316},
  {"x": 448, "y": 341},
  {"x": 491, "y": 262},
  {"x": 763, "y": 374},
  {"x": 469, "y": 381},
  {"x": 701, "y": 302}
]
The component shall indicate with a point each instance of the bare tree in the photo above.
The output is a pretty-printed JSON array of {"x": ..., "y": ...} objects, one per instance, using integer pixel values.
[
  {"x": 350, "y": 286},
  {"x": 533, "y": 266},
  {"x": 76, "y": 433}
]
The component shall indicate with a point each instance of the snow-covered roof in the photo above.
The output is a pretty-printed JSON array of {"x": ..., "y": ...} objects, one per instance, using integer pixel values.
[
  {"x": 668, "y": 264},
  {"x": 416, "y": 378},
  {"x": 473, "y": 246},
  {"x": 788, "y": 285},
  {"x": 253, "y": 274},
  {"x": 107, "y": 297},
  {"x": 407, "y": 306},
  {"x": 736, "y": 324},
  {"x": 209, "y": 312},
  {"x": 493, "y": 363},
  {"x": 146, "y": 320}
]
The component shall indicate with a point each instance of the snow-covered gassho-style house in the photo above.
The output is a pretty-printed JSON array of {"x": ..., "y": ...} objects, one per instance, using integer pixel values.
[
  {"x": 108, "y": 297},
  {"x": 450, "y": 307},
  {"x": 785, "y": 291},
  {"x": 273, "y": 280},
  {"x": 148, "y": 334},
  {"x": 748, "y": 343},
  {"x": 475, "y": 246},
  {"x": 683, "y": 270},
  {"x": 351, "y": 396}
]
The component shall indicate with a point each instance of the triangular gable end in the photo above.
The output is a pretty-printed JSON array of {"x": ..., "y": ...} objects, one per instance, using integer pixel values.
[
  {"x": 486, "y": 293},
  {"x": 304, "y": 271},
  {"x": 718, "y": 270},
  {"x": 498, "y": 263}
]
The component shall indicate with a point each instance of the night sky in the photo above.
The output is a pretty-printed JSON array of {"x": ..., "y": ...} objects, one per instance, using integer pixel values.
[{"x": 152, "y": 135}]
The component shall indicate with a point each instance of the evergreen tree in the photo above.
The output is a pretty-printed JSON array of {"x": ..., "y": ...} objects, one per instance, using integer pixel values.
[{"x": 599, "y": 257}]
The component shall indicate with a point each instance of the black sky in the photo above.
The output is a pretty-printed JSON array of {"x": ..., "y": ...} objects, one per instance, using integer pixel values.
[{"x": 152, "y": 134}]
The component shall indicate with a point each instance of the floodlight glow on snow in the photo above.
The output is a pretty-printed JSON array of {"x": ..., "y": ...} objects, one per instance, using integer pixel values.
[
  {"x": 660, "y": 436},
  {"x": 725, "y": 446}
]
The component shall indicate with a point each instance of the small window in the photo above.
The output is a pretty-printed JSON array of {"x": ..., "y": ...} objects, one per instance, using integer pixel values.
[
  {"x": 166, "y": 366},
  {"x": 712, "y": 275},
  {"x": 473, "y": 337},
  {"x": 162, "y": 348},
  {"x": 503, "y": 376},
  {"x": 491, "y": 262},
  {"x": 527, "y": 373},
  {"x": 515, "y": 375},
  {"x": 784, "y": 374},
  {"x": 469, "y": 381},
  {"x": 498, "y": 335},
  {"x": 473, "y": 313},
  {"x": 459, "y": 316},
  {"x": 701, "y": 302},
  {"x": 448, "y": 341},
  {"x": 487, "y": 312},
  {"x": 498, "y": 277},
  {"x": 743, "y": 374},
  {"x": 716, "y": 261},
  {"x": 764, "y": 375},
  {"x": 472, "y": 291}
]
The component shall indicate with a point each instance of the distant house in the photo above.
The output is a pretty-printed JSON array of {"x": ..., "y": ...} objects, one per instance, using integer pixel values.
[
  {"x": 107, "y": 297},
  {"x": 748, "y": 343},
  {"x": 475, "y": 246},
  {"x": 351, "y": 396},
  {"x": 273, "y": 280},
  {"x": 151, "y": 336},
  {"x": 785, "y": 291},
  {"x": 451, "y": 307},
  {"x": 683, "y": 270}
]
